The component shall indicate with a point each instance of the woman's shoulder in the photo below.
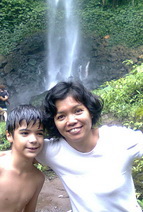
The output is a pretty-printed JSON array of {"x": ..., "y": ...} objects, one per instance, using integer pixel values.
[
  {"x": 117, "y": 129},
  {"x": 122, "y": 135}
]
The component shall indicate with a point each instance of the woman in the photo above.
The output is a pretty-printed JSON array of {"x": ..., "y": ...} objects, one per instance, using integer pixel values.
[{"x": 93, "y": 163}]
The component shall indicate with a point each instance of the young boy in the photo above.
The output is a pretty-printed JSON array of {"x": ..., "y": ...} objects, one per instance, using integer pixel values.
[{"x": 20, "y": 180}]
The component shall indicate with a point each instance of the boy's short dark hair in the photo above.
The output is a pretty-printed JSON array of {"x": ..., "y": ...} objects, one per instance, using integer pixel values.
[
  {"x": 75, "y": 89},
  {"x": 24, "y": 112}
]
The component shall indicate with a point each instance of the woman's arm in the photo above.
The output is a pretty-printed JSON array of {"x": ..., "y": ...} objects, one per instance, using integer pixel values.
[{"x": 2, "y": 153}]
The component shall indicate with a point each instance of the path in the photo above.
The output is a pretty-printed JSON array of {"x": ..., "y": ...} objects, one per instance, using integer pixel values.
[{"x": 53, "y": 197}]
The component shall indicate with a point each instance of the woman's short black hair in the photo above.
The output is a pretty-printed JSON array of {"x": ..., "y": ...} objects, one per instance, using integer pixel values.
[
  {"x": 75, "y": 89},
  {"x": 24, "y": 112}
]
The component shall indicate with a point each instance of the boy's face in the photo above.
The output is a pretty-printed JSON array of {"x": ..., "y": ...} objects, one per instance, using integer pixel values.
[{"x": 27, "y": 140}]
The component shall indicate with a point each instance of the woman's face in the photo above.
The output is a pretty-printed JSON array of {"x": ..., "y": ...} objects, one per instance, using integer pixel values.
[{"x": 73, "y": 121}]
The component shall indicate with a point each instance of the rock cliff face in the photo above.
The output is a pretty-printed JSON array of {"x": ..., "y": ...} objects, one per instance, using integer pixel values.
[{"x": 23, "y": 71}]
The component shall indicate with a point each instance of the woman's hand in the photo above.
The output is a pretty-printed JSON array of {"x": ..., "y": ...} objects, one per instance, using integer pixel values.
[{"x": 3, "y": 153}]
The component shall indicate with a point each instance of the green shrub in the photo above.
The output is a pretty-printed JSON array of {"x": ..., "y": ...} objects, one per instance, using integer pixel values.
[
  {"x": 15, "y": 12},
  {"x": 20, "y": 19},
  {"x": 137, "y": 172},
  {"x": 123, "y": 24},
  {"x": 124, "y": 98},
  {"x": 4, "y": 144}
]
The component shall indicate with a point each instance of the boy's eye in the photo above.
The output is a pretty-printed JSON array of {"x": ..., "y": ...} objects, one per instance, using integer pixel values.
[
  {"x": 40, "y": 134},
  {"x": 24, "y": 133}
]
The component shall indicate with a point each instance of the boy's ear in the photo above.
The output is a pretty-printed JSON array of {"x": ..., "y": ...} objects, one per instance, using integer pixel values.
[{"x": 9, "y": 136}]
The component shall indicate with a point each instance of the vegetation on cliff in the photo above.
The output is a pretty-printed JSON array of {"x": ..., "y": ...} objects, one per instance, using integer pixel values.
[
  {"x": 118, "y": 21},
  {"x": 123, "y": 98}
]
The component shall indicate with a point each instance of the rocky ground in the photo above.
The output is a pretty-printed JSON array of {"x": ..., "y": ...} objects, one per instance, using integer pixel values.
[{"x": 53, "y": 197}]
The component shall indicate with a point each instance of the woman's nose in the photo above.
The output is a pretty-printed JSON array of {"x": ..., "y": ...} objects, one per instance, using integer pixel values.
[{"x": 71, "y": 119}]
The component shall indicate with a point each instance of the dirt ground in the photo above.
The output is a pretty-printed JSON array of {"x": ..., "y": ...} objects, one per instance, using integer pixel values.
[{"x": 53, "y": 197}]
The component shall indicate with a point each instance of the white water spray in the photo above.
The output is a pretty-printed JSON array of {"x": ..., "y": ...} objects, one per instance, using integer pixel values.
[{"x": 63, "y": 38}]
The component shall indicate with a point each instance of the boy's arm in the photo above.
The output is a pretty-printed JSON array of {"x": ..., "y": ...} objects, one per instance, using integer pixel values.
[{"x": 31, "y": 206}]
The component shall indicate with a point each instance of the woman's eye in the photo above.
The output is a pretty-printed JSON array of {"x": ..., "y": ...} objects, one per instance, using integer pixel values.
[
  {"x": 78, "y": 111},
  {"x": 60, "y": 117}
]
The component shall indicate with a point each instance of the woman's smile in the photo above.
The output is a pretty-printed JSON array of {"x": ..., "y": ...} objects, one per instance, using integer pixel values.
[
  {"x": 75, "y": 130},
  {"x": 73, "y": 121}
]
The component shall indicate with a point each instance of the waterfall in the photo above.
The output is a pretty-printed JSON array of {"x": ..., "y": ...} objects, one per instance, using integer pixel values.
[{"x": 63, "y": 41}]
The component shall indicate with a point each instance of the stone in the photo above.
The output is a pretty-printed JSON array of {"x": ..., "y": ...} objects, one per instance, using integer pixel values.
[
  {"x": 8, "y": 68},
  {"x": 3, "y": 61}
]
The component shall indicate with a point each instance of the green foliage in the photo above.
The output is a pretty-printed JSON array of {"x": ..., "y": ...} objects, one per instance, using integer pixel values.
[
  {"x": 123, "y": 24},
  {"x": 2, "y": 127},
  {"x": 40, "y": 167},
  {"x": 15, "y": 12},
  {"x": 140, "y": 203},
  {"x": 124, "y": 98},
  {"x": 108, "y": 3},
  {"x": 4, "y": 144},
  {"x": 137, "y": 172},
  {"x": 20, "y": 18}
]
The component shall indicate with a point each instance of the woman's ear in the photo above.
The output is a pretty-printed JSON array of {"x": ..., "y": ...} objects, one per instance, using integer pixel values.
[{"x": 9, "y": 136}]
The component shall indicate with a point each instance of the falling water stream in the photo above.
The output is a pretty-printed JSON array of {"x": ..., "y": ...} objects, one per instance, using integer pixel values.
[{"x": 63, "y": 40}]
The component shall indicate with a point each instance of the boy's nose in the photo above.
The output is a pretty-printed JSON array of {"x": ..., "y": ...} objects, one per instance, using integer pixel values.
[{"x": 33, "y": 139}]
